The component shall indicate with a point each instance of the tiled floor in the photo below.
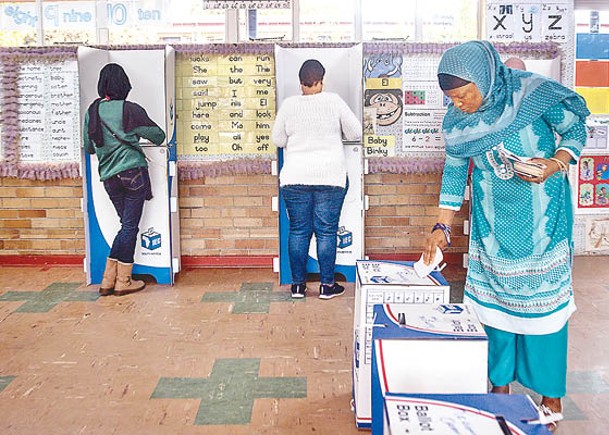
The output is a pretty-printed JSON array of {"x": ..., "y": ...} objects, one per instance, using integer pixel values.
[{"x": 221, "y": 352}]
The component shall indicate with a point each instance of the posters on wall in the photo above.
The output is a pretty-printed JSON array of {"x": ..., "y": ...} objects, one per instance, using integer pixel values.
[
  {"x": 528, "y": 20},
  {"x": 534, "y": 21},
  {"x": 49, "y": 127},
  {"x": 403, "y": 106},
  {"x": 592, "y": 175},
  {"x": 593, "y": 183},
  {"x": 225, "y": 104}
]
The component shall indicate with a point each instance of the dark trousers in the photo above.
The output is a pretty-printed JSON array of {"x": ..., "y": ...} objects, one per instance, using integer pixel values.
[
  {"x": 313, "y": 209},
  {"x": 128, "y": 191}
]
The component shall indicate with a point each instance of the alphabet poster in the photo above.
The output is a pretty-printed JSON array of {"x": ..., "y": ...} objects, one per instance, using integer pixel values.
[
  {"x": 225, "y": 105},
  {"x": 532, "y": 21}
]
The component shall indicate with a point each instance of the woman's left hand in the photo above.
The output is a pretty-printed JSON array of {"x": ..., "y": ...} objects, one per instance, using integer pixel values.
[{"x": 550, "y": 168}]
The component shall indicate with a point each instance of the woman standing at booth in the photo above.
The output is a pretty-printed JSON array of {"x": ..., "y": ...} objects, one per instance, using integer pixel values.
[
  {"x": 112, "y": 129},
  {"x": 520, "y": 253},
  {"x": 313, "y": 180}
]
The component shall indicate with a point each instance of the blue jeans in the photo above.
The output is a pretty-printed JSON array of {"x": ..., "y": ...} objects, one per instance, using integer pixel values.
[
  {"x": 313, "y": 209},
  {"x": 128, "y": 191}
]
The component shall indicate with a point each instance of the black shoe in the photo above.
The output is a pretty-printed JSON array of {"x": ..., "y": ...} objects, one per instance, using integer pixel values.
[
  {"x": 330, "y": 291},
  {"x": 298, "y": 291}
]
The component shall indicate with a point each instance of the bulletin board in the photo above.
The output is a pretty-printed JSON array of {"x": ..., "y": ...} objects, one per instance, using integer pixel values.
[
  {"x": 225, "y": 103},
  {"x": 404, "y": 106},
  {"x": 591, "y": 175},
  {"x": 39, "y": 115}
]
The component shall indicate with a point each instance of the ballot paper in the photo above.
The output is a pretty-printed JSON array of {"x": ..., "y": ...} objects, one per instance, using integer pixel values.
[
  {"x": 523, "y": 166},
  {"x": 422, "y": 269}
]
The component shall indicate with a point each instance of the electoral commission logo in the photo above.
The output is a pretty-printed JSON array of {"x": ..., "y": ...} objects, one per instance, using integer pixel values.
[{"x": 151, "y": 240}]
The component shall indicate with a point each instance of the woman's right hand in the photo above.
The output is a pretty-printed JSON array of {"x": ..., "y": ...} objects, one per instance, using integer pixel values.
[{"x": 434, "y": 240}]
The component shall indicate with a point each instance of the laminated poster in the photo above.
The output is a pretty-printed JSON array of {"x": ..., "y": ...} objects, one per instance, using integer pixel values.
[
  {"x": 226, "y": 105},
  {"x": 597, "y": 234},
  {"x": 593, "y": 183},
  {"x": 49, "y": 111}
]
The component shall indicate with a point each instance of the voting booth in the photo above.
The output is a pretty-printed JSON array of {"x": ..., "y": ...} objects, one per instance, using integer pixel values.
[
  {"x": 380, "y": 282},
  {"x": 342, "y": 77},
  {"x": 436, "y": 349},
  {"x": 488, "y": 414},
  {"x": 151, "y": 73}
]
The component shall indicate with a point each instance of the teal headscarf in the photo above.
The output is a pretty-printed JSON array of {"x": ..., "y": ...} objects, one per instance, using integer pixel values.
[{"x": 511, "y": 99}]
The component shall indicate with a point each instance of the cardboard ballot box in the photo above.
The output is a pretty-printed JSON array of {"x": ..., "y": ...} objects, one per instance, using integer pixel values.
[
  {"x": 443, "y": 414},
  {"x": 435, "y": 349},
  {"x": 379, "y": 282}
]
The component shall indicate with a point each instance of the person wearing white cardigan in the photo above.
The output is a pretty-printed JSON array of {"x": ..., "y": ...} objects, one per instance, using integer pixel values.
[{"x": 313, "y": 180}]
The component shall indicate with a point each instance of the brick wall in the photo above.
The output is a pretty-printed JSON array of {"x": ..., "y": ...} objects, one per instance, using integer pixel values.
[
  {"x": 219, "y": 216},
  {"x": 41, "y": 218}
]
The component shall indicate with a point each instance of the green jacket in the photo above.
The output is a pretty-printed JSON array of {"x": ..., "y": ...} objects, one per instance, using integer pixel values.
[{"x": 115, "y": 157}]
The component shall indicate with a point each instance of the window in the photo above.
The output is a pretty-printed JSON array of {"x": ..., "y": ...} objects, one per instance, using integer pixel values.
[
  {"x": 265, "y": 24},
  {"x": 327, "y": 21},
  {"x": 420, "y": 20},
  {"x": 124, "y": 22}
]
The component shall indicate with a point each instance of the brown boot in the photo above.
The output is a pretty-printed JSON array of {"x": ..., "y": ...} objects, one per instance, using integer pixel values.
[
  {"x": 124, "y": 284},
  {"x": 108, "y": 281}
]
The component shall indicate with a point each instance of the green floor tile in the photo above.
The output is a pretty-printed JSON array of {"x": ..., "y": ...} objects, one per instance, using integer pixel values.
[
  {"x": 227, "y": 396},
  {"x": 251, "y": 298},
  {"x": 45, "y": 300},
  {"x": 4, "y": 381}
]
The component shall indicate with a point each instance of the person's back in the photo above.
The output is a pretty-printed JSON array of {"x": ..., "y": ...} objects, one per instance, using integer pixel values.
[{"x": 314, "y": 126}]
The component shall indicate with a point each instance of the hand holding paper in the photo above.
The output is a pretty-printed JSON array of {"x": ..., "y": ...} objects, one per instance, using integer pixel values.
[{"x": 422, "y": 269}]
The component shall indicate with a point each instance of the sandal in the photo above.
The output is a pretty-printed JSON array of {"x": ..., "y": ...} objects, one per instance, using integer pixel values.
[{"x": 549, "y": 417}]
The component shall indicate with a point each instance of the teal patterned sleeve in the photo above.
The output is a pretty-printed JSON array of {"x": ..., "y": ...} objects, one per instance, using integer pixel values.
[
  {"x": 454, "y": 181},
  {"x": 570, "y": 127}
]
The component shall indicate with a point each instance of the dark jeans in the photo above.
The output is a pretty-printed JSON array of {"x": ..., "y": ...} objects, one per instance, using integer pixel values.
[
  {"x": 313, "y": 209},
  {"x": 128, "y": 190}
]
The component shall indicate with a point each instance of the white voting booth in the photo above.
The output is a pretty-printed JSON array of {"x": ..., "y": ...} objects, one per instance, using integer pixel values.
[
  {"x": 343, "y": 66},
  {"x": 381, "y": 282},
  {"x": 151, "y": 73}
]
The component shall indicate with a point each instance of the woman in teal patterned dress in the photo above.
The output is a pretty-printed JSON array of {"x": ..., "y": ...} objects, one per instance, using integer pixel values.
[{"x": 520, "y": 253}]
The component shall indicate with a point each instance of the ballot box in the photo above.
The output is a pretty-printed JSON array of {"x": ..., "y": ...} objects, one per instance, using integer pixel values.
[
  {"x": 447, "y": 414},
  {"x": 426, "y": 349},
  {"x": 379, "y": 282}
]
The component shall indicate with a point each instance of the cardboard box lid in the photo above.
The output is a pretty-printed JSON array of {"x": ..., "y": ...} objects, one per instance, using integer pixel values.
[
  {"x": 426, "y": 322},
  {"x": 374, "y": 272}
]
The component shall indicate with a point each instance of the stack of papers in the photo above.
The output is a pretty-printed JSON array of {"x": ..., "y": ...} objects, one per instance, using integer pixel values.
[{"x": 522, "y": 165}]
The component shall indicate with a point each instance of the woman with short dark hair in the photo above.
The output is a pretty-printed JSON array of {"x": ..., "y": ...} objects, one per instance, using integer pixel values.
[{"x": 313, "y": 180}]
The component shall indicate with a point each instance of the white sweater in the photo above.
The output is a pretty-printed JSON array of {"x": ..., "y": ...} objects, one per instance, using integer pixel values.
[{"x": 310, "y": 128}]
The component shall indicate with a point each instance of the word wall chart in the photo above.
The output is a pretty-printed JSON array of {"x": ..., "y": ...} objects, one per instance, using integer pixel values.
[
  {"x": 49, "y": 125},
  {"x": 225, "y": 105}
]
